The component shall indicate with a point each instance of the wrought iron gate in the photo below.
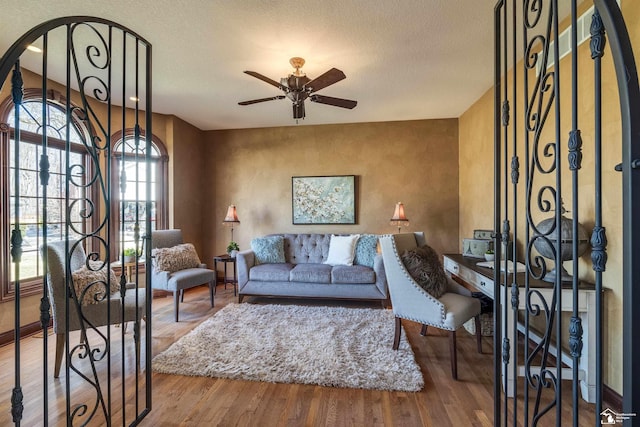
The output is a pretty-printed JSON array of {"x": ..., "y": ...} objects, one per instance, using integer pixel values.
[
  {"x": 103, "y": 71},
  {"x": 543, "y": 139}
]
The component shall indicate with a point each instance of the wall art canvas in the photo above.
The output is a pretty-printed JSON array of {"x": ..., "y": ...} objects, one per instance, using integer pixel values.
[{"x": 324, "y": 199}]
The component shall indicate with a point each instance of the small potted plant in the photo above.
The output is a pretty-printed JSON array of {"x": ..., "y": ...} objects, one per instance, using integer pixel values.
[
  {"x": 129, "y": 255},
  {"x": 232, "y": 249},
  {"x": 489, "y": 255}
]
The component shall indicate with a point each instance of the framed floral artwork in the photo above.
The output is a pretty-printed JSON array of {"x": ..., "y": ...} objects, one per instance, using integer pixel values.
[{"x": 324, "y": 199}]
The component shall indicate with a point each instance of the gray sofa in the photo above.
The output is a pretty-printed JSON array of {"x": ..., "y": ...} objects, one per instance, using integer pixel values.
[{"x": 304, "y": 274}]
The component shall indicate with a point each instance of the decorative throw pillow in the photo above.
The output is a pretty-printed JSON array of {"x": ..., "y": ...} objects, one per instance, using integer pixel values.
[
  {"x": 423, "y": 264},
  {"x": 366, "y": 250},
  {"x": 175, "y": 258},
  {"x": 94, "y": 280},
  {"x": 342, "y": 249},
  {"x": 268, "y": 249}
]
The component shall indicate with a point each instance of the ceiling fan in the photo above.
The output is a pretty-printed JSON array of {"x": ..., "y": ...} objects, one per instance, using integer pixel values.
[{"x": 298, "y": 87}]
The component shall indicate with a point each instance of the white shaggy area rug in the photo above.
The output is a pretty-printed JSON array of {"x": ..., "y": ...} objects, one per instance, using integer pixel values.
[{"x": 328, "y": 346}]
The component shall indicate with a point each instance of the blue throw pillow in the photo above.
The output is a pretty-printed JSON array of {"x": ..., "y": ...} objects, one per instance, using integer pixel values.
[
  {"x": 366, "y": 250},
  {"x": 268, "y": 250}
]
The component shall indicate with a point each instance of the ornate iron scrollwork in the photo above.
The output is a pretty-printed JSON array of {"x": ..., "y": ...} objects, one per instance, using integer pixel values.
[
  {"x": 97, "y": 57},
  {"x": 16, "y": 246},
  {"x": 17, "y": 91},
  {"x": 598, "y": 38},
  {"x": 575, "y": 150},
  {"x": 542, "y": 159},
  {"x": 506, "y": 350},
  {"x": 515, "y": 170},
  {"x": 598, "y": 248},
  {"x": 551, "y": 44},
  {"x": 16, "y": 404},
  {"x": 505, "y": 113},
  {"x": 90, "y": 61},
  {"x": 575, "y": 336}
]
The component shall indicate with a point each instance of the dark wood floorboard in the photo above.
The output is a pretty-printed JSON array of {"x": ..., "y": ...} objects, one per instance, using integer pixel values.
[{"x": 197, "y": 401}]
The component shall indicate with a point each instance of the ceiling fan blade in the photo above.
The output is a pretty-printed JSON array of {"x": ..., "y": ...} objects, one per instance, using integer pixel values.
[
  {"x": 336, "y": 102},
  {"x": 255, "y": 101},
  {"x": 264, "y": 79},
  {"x": 330, "y": 77}
]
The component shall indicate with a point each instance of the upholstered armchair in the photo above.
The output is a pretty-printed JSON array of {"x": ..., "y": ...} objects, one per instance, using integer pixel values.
[
  {"x": 411, "y": 302},
  {"x": 94, "y": 314},
  {"x": 177, "y": 281}
]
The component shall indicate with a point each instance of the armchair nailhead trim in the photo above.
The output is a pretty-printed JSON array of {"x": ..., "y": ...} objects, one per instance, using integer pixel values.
[
  {"x": 439, "y": 326},
  {"x": 413, "y": 282}
]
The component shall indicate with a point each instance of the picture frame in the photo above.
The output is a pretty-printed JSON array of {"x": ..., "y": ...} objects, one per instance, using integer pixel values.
[{"x": 323, "y": 199}]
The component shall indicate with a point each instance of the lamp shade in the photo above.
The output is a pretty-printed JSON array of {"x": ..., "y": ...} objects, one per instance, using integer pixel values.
[
  {"x": 399, "y": 218},
  {"x": 398, "y": 213},
  {"x": 232, "y": 216}
]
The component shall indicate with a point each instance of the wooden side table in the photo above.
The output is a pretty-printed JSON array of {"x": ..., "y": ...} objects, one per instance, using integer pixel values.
[{"x": 226, "y": 259}]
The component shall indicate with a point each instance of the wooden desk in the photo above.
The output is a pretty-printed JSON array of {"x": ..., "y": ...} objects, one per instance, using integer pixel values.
[{"x": 481, "y": 278}]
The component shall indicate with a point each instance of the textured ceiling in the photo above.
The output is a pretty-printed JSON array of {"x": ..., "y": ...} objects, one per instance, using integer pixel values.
[{"x": 404, "y": 59}]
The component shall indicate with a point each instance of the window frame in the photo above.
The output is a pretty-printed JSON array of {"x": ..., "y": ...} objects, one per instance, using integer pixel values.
[
  {"x": 162, "y": 184},
  {"x": 32, "y": 285}
]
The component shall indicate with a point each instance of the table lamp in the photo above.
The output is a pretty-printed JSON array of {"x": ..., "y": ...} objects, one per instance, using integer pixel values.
[
  {"x": 231, "y": 219},
  {"x": 399, "y": 219}
]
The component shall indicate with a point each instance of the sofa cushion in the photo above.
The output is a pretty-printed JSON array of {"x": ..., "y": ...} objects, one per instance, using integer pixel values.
[
  {"x": 175, "y": 258},
  {"x": 268, "y": 249},
  {"x": 352, "y": 274},
  {"x": 366, "y": 250},
  {"x": 271, "y": 272},
  {"x": 342, "y": 250},
  {"x": 424, "y": 266},
  {"x": 311, "y": 273},
  {"x": 306, "y": 248}
]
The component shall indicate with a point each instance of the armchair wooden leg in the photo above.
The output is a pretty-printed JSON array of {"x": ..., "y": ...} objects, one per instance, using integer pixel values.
[
  {"x": 396, "y": 337},
  {"x": 176, "y": 303},
  {"x": 478, "y": 334},
  {"x": 60, "y": 341},
  {"x": 453, "y": 355},
  {"x": 212, "y": 288},
  {"x": 423, "y": 331},
  {"x": 181, "y": 295},
  {"x": 136, "y": 338}
]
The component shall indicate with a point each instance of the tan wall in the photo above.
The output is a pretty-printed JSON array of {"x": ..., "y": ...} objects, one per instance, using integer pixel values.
[
  {"x": 476, "y": 174},
  {"x": 414, "y": 162},
  {"x": 188, "y": 169}
]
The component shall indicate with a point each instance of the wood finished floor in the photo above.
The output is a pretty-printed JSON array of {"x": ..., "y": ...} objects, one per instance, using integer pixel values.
[{"x": 196, "y": 401}]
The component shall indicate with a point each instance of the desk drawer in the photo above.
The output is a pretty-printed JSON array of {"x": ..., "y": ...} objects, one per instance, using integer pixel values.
[
  {"x": 451, "y": 266},
  {"x": 480, "y": 282},
  {"x": 483, "y": 283}
]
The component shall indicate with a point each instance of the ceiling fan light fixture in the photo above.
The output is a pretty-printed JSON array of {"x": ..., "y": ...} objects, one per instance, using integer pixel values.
[{"x": 297, "y": 63}]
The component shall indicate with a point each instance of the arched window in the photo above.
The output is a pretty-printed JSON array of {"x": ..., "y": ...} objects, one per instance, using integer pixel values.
[
  {"x": 30, "y": 196},
  {"x": 130, "y": 165}
]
